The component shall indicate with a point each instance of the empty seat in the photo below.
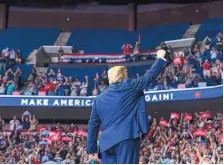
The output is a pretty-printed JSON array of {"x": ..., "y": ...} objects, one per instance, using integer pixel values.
[
  {"x": 110, "y": 41},
  {"x": 28, "y": 39}
]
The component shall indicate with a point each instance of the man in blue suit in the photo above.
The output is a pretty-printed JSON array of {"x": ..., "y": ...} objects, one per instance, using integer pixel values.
[{"x": 121, "y": 112}]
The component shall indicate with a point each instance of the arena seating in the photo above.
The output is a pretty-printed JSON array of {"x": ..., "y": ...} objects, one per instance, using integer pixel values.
[
  {"x": 152, "y": 37},
  {"x": 1, "y": 31},
  {"x": 28, "y": 39},
  {"x": 110, "y": 41},
  {"x": 101, "y": 41},
  {"x": 210, "y": 27}
]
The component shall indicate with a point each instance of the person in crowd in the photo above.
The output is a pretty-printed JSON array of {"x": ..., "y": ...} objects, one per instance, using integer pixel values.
[
  {"x": 13, "y": 124},
  {"x": 207, "y": 42},
  {"x": 96, "y": 80},
  {"x": 18, "y": 60},
  {"x": 126, "y": 48},
  {"x": 25, "y": 123},
  {"x": 206, "y": 66},
  {"x": 12, "y": 56},
  {"x": 196, "y": 80},
  {"x": 104, "y": 77},
  {"x": 95, "y": 91},
  {"x": 59, "y": 75},
  {"x": 30, "y": 90},
  {"x": 51, "y": 75},
  {"x": 74, "y": 90},
  {"x": 51, "y": 88},
  {"x": 39, "y": 77},
  {"x": 19, "y": 53},
  {"x": 2, "y": 88},
  {"x": 60, "y": 89},
  {"x": 213, "y": 54},
  {"x": 33, "y": 122},
  {"x": 2, "y": 123},
  {"x": 6, "y": 52},
  {"x": 2, "y": 63},
  {"x": 102, "y": 86},
  {"x": 70, "y": 80},
  {"x": 17, "y": 78},
  {"x": 189, "y": 80},
  {"x": 219, "y": 43},
  {"x": 159, "y": 84},
  {"x": 45, "y": 158},
  {"x": 71, "y": 127},
  {"x": 67, "y": 86},
  {"x": 84, "y": 87},
  {"x": 168, "y": 81},
  {"x": 136, "y": 50},
  {"x": 10, "y": 87},
  {"x": 9, "y": 74},
  {"x": 216, "y": 78}
]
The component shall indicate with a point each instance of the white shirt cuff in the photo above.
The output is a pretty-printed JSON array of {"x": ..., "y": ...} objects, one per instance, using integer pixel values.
[{"x": 162, "y": 58}]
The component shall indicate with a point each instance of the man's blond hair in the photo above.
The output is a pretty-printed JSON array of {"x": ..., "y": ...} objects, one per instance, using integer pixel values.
[{"x": 117, "y": 74}]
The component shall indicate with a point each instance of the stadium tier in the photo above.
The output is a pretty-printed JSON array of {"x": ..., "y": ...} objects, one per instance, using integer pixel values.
[
  {"x": 54, "y": 81},
  {"x": 28, "y": 39},
  {"x": 110, "y": 41},
  {"x": 1, "y": 31},
  {"x": 91, "y": 71},
  {"x": 210, "y": 27}
]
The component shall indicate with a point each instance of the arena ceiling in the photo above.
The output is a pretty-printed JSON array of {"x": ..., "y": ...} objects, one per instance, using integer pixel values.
[{"x": 51, "y": 3}]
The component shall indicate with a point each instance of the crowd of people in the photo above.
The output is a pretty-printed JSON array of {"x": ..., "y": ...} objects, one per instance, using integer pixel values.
[
  {"x": 200, "y": 66},
  {"x": 55, "y": 83},
  {"x": 9, "y": 57},
  {"x": 183, "y": 139},
  {"x": 10, "y": 80}
]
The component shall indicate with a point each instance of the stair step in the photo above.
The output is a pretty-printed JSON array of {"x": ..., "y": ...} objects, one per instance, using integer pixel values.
[
  {"x": 191, "y": 31},
  {"x": 42, "y": 69},
  {"x": 62, "y": 39},
  {"x": 32, "y": 57}
]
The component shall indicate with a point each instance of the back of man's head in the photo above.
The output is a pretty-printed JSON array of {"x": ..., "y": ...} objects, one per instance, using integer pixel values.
[{"x": 117, "y": 74}]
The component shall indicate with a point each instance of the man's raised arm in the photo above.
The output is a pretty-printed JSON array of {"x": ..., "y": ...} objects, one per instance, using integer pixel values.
[{"x": 144, "y": 81}]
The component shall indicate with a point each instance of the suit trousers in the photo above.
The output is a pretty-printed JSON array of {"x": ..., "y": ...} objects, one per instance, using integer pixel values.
[{"x": 125, "y": 152}]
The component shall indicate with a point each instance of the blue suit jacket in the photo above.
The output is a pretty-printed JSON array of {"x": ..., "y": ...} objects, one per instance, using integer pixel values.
[{"x": 121, "y": 111}]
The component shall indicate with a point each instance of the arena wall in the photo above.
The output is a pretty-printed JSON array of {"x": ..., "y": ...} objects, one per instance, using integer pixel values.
[
  {"x": 82, "y": 114},
  {"x": 195, "y": 13}
]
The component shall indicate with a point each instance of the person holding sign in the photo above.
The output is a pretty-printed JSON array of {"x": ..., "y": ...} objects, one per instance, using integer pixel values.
[
  {"x": 117, "y": 112},
  {"x": 136, "y": 49}
]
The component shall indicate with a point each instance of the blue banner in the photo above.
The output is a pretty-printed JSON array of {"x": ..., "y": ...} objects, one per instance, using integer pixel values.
[{"x": 152, "y": 96}]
